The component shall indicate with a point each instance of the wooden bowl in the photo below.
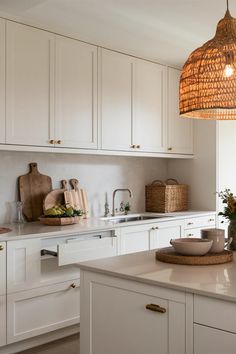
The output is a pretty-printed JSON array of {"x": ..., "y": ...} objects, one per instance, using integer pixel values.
[
  {"x": 191, "y": 246},
  {"x": 70, "y": 220}
]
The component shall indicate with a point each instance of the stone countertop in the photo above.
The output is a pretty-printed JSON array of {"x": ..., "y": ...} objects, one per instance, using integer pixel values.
[
  {"x": 218, "y": 281},
  {"x": 36, "y": 229}
]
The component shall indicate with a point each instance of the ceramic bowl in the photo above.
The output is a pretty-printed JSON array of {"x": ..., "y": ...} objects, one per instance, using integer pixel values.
[{"x": 191, "y": 246}]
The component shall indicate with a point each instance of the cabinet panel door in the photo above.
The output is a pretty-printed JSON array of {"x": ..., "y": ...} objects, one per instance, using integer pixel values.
[
  {"x": 116, "y": 100},
  {"x": 180, "y": 130},
  {"x": 135, "y": 239},
  {"x": 29, "y": 85},
  {"x": 2, "y": 268},
  {"x": 149, "y": 106},
  {"x": 76, "y": 93},
  {"x": 2, "y": 82},
  {"x": 122, "y": 324},
  {"x": 34, "y": 312},
  {"x": 23, "y": 264},
  {"x": 164, "y": 232},
  {"x": 3, "y": 322},
  {"x": 209, "y": 340}
]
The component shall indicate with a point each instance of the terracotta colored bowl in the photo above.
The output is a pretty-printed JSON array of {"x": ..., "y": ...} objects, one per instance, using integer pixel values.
[{"x": 191, "y": 246}]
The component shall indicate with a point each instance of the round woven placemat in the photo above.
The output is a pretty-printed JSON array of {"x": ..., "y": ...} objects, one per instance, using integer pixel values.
[
  {"x": 168, "y": 255},
  {"x": 4, "y": 230}
]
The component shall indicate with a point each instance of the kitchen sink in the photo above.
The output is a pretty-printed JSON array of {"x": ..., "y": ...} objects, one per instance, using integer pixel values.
[{"x": 130, "y": 218}]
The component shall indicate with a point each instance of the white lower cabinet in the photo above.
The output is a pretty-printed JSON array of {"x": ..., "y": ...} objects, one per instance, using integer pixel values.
[
  {"x": 214, "y": 326},
  {"x": 34, "y": 312},
  {"x": 2, "y": 320},
  {"x": 135, "y": 238},
  {"x": 209, "y": 340},
  {"x": 115, "y": 318},
  {"x": 164, "y": 232}
]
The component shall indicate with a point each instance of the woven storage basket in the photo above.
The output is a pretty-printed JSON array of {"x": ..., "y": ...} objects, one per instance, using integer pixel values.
[{"x": 166, "y": 197}]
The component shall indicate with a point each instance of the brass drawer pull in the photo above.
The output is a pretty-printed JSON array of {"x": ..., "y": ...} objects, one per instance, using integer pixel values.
[
  {"x": 52, "y": 142},
  {"x": 169, "y": 148},
  {"x": 190, "y": 223},
  {"x": 155, "y": 228},
  {"x": 1, "y": 248},
  {"x": 59, "y": 142},
  {"x": 133, "y": 146},
  {"x": 189, "y": 235},
  {"x": 73, "y": 286},
  {"x": 211, "y": 220},
  {"x": 155, "y": 308},
  {"x": 138, "y": 146}
]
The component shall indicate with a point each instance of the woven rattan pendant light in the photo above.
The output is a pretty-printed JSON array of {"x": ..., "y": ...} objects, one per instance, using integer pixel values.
[{"x": 208, "y": 78}]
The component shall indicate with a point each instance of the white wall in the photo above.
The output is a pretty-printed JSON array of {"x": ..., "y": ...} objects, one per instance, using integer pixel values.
[
  {"x": 97, "y": 174},
  {"x": 200, "y": 172}
]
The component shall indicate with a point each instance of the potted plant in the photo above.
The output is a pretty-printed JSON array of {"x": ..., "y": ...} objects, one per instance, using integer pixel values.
[{"x": 229, "y": 200}]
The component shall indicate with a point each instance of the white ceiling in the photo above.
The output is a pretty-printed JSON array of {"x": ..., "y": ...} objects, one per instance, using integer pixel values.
[{"x": 162, "y": 30}]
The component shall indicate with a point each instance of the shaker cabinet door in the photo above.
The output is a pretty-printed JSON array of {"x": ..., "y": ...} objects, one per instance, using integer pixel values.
[
  {"x": 2, "y": 83},
  {"x": 29, "y": 85},
  {"x": 75, "y": 94},
  {"x": 180, "y": 130},
  {"x": 149, "y": 106},
  {"x": 116, "y": 100}
]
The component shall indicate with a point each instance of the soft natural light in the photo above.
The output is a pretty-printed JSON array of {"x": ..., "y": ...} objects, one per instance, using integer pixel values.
[{"x": 228, "y": 70}]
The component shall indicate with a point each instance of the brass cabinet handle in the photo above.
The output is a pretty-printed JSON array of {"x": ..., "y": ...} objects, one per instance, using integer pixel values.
[
  {"x": 1, "y": 248},
  {"x": 73, "y": 285},
  {"x": 211, "y": 220},
  {"x": 59, "y": 142},
  {"x": 52, "y": 141},
  {"x": 169, "y": 148},
  {"x": 190, "y": 235},
  {"x": 155, "y": 228},
  {"x": 155, "y": 308},
  {"x": 133, "y": 146},
  {"x": 138, "y": 146},
  {"x": 190, "y": 223}
]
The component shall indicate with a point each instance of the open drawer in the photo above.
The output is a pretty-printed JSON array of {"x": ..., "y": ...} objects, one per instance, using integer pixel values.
[{"x": 74, "y": 249}]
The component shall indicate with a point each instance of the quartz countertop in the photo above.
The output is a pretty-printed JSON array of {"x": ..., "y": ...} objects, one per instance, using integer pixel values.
[
  {"x": 217, "y": 281},
  {"x": 36, "y": 229}
]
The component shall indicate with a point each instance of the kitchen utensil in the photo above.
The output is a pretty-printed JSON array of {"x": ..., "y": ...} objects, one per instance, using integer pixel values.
[
  {"x": 33, "y": 187},
  {"x": 168, "y": 255},
  {"x": 55, "y": 197},
  {"x": 80, "y": 197},
  {"x": 191, "y": 246},
  {"x": 67, "y": 194},
  {"x": 218, "y": 238}
]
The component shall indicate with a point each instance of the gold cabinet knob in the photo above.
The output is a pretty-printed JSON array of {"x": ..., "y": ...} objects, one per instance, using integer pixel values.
[
  {"x": 170, "y": 148},
  {"x": 133, "y": 146},
  {"x": 59, "y": 142},
  {"x": 1, "y": 248},
  {"x": 155, "y": 308},
  {"x": 73, "y": 285},
  {"x": 138, "y": 146},
  {"x": 52, "y": 142},
  {"x": 211, "y": 220},
  {"x": 189, "y": 235}
]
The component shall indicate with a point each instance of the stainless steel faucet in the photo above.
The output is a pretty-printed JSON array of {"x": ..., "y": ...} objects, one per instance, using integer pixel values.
[{"x": 114, "y": 194}]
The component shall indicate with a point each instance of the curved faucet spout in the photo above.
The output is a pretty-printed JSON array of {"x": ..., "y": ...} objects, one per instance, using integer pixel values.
[{"x": 114, "y": 194}]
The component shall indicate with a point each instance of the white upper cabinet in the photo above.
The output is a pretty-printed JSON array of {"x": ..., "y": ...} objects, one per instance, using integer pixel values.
[
  {"x": 75, "y": 94},
  {"x": 2, "y": 82},
  {"x": 133, "y": 94},
  {"x": 116, "y": 100},
  {"x": 180, "y": 130},
  {"x": 29, "y": 85},
  {"x": 149, "y": 106}
]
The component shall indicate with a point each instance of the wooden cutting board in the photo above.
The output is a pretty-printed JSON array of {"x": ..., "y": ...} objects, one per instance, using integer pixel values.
[
  {"x": 33, "y": 187},
  {"x": 79, "y": 197},
  {"x": 55, "y": 197},
  {"x": 168, "y": 255}
]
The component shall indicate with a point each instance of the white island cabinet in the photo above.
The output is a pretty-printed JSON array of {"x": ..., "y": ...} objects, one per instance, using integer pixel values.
[{"x": 136, "y": 304}]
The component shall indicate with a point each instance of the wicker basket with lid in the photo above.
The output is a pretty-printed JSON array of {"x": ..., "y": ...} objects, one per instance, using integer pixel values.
[{"x": 166, "y": 197}]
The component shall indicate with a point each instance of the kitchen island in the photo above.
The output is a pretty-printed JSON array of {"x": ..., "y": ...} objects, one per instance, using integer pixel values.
[{"x": 136, "y": 304}]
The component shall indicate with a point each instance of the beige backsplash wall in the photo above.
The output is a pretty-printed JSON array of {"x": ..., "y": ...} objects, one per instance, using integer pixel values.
[{"x": 97, "y": 174}]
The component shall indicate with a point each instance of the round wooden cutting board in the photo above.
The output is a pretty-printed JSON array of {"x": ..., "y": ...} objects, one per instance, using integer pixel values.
[{"x": 168, "y": 255}]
